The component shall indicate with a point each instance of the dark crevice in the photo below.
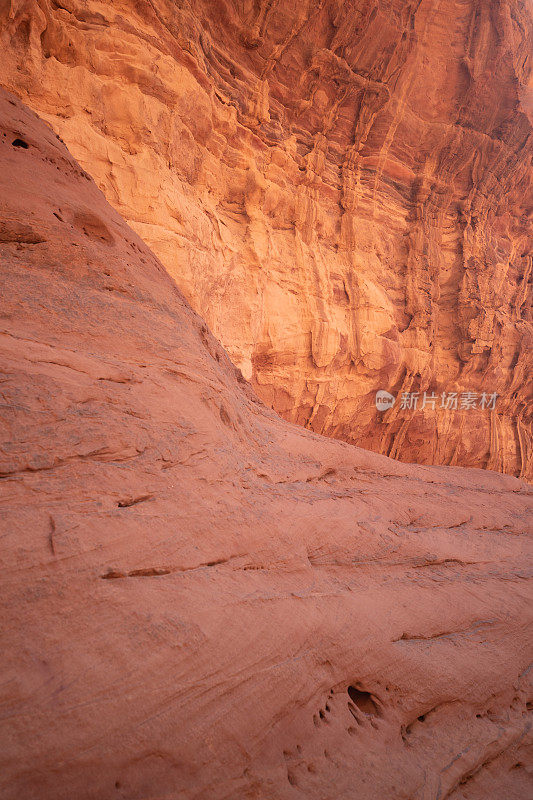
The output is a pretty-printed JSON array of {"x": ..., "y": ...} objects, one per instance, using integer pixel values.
[
  {"x": 215, "y": 563},
  {"x": 147, "y": 572},
  {"x": 363, "y": 701},
  {"x": 134, "y": 501},
  {"x": 150, "y": 572},
  {"x": 51, "y": 535}
]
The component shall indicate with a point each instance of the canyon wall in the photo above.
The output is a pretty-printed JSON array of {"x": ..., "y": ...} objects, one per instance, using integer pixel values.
[
  {"x": 200, "y": 600},
  {"x": 341, "y": 189}
]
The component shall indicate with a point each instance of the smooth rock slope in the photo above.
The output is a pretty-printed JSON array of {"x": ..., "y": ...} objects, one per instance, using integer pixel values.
[
  {"x": 200, "y": 600},
  {"x": 341, "y": 188}
]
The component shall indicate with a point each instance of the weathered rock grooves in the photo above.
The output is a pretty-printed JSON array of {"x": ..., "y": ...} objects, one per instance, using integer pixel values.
[
  {"x": 200, "y": 600},
  {"x": 341, "y": 189}
]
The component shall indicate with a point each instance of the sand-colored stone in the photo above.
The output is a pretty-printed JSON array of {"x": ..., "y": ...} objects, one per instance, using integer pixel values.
[
  {"x": 190, "y": 585},
  {"x": 341, "y": 189}
]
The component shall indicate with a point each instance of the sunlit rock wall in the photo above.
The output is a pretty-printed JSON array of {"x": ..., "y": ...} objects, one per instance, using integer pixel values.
[{"x": 341, "y": 189}]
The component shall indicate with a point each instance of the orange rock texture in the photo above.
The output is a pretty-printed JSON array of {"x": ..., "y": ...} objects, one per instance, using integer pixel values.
[
  {"x": 341, "y": 189},
  {"x": 200, "y": 600}
]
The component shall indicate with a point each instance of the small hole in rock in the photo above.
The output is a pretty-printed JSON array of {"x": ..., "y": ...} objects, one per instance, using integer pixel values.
[
  {"x": 291, "y": 777},
  {"x": 20, "y": 143},
  {"x": 363, "y": 701}
]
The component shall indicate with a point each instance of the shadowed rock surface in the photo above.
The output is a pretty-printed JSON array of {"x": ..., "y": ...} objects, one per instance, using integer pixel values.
[
  {"x": 200, "y": 600},
  {"x": 341, "y": 189}
]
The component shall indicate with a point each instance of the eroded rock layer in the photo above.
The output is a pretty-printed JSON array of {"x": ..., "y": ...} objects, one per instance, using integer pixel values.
[
  {"x": 341, "y": 189},
  {"x": 200, "y": 600}
]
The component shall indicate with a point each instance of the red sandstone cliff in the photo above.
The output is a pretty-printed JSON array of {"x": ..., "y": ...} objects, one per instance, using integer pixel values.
[
  {"x": 341, "y": 189},
  {"x": 200, "y": 600}
]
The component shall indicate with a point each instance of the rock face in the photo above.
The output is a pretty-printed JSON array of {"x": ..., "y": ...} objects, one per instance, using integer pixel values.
[
  {"x": 341, "y": 189},
  {"x": 201, "y": 600}
]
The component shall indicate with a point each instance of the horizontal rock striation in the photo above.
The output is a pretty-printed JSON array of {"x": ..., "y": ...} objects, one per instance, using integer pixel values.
[
  {"x": 200, "y": 600},
  {"x": 341, "y": 189}
]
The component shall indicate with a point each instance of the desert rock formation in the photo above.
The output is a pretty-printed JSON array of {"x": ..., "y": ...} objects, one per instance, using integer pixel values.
[
  {"x": 200, "y": 600},
  {"x": 341, "y": 189}
]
